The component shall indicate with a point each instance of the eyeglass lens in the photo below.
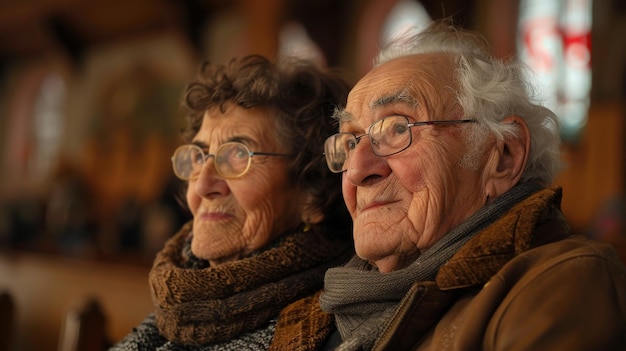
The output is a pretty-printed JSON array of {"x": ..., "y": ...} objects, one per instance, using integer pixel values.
[
  {"x": 231, "y": 160},
  {"x": 388, "y": 136}
]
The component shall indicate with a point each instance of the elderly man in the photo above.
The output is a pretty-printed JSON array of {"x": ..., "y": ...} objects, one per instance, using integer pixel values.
[{"x": 448, "y": 167}]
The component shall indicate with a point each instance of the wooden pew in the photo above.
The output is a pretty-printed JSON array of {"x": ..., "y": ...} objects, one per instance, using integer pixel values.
[
  {"x": 85, "y": 328},
  {"x": 7, "y": 320},
  {"x": 45, "y": 287}
]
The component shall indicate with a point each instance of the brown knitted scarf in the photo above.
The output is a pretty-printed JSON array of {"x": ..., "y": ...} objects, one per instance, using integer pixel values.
[{"x": 199, "y": 306}]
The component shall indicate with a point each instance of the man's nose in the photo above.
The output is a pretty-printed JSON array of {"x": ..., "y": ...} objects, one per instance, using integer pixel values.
[{"x": 363, "y": 166}]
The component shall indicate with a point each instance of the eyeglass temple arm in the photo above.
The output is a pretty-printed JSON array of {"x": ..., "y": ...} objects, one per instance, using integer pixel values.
[{"x": 454, "y": 121}]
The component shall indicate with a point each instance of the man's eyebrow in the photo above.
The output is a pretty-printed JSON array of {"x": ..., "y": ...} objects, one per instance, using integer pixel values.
[
  {"x": 400, "y": 97},
  {"x": 342, "y": 115}
]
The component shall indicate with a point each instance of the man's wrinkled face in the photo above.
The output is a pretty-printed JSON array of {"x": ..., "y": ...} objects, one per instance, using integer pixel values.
[{"x": 402, "y": 204}]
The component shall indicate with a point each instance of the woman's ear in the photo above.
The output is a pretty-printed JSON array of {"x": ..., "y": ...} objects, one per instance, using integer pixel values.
[
  {"x": 310, "y": 213},
  {"x": 511, "y": 156}
]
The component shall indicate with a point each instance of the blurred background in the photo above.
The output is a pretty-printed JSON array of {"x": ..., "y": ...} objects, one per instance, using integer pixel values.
[{"x": 89, "y": 116}]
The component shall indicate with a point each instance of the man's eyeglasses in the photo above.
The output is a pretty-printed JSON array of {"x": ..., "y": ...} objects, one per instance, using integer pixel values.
[
  {"x": 231, "y": 160},
  {"x": 388, "y": 136}
]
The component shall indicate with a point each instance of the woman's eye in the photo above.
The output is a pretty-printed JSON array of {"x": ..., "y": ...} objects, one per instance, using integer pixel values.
[{"x": 196, "y": 157}]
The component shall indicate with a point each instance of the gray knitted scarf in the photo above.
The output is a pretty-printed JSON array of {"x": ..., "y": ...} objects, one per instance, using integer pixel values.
[{"x": 364, "y": 300}]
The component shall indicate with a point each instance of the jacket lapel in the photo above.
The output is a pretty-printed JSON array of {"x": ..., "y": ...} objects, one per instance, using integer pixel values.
[{"x": 417, "y": 313}]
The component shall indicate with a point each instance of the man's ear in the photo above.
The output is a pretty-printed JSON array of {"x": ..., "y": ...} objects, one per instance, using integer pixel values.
[{"x": 511, "y": 156}]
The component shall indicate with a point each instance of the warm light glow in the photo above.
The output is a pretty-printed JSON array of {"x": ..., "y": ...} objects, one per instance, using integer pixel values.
[
  {"x": 406, "y": 16},
  {"x": 555, "y": 40}
]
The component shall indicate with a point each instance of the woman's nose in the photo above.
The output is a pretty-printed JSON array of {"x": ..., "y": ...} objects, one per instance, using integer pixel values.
[{"x": 209, "y": 182}]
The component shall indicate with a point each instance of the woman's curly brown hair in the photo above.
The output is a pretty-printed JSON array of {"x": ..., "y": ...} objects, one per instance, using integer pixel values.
[{"x": 301, "y": 97}]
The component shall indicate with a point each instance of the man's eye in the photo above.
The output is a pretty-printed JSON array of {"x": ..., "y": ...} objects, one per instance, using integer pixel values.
[
  {"x": 351, "y": 144},
  {"x": 400, "y": 129},
  {"x": 240, "y": 153}
]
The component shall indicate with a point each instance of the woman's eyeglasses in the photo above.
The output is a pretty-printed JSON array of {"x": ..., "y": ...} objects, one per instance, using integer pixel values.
[{"x": 231, "y": 160}]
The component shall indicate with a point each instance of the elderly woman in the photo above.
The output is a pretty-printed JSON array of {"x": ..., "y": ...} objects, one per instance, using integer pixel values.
[
  {"x": 448, "y": 168},
  {"x": 268, "y": 216}
]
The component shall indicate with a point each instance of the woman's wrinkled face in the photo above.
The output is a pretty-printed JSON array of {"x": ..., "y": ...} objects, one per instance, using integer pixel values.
[
  {"x": 402, "y": 204},
  {"x": 234, "y": 217}
]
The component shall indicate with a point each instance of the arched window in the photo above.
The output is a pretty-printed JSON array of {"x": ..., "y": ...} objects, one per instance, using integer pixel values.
[
  {"x": 380, "y": 22},
  {"x": 47, "y": 127},
  {"x": 35, "y": 119}
]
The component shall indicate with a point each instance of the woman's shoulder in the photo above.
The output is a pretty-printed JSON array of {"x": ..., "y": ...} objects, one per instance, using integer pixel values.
[{"x": 143, "y": 337}]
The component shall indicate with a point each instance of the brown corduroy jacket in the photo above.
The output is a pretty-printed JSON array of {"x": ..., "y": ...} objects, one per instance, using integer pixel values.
[{"x": 523, "y": 283}]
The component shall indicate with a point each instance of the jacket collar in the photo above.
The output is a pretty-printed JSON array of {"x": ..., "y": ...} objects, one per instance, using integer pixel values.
[
  {"x": 532, "y": 222},
  {"x": 486, "y": 253}
]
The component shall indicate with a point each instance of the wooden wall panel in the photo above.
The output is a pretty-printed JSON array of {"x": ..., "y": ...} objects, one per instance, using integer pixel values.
[{"x": 595, "y": 173}]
